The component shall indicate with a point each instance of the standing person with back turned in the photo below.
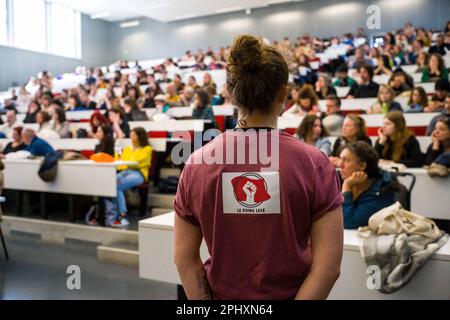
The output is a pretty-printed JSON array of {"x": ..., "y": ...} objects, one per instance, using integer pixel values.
[{"x": 272, "y": 232}]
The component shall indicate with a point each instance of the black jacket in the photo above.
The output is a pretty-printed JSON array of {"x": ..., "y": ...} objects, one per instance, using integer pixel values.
[
  {"x": 364, "y": 91},
  {"x": 341, "y": 142},
  {"x": 412, "y": 157}
]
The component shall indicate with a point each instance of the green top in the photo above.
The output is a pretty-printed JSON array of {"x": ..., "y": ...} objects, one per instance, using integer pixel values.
[{"x": 426, "y": 75}]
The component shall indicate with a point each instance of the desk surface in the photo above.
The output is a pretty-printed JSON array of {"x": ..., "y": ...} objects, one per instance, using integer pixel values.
[
  {"x": 73, "y": 163},
  {"x": 351, "y": 239}
]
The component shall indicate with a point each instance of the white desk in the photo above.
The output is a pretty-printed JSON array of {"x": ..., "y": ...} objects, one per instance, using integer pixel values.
[
  {"x": 156, "y": 250},
  {"x": 170, "y": 125},
  {"x": 430, "y": 196},
  {"x": 73, "y": 177},
  {"x": 431, "y": 282}
]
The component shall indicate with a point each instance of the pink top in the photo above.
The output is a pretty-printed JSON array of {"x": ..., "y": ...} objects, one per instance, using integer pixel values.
[{"x": 256, "y": 221}]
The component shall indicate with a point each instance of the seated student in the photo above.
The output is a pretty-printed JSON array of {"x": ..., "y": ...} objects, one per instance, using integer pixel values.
[
  {"x": 132, "y": 92},
  {"x": 172, "y": 96},
  {"x": 435, "y": 70},
  {"x": 16, "y": 145},
  {"x": 97, "y": 119},
  {"x": 74, "y": 104},
  {"x": 36, "y": 146},
  {"x": 85, "y": 101},
  {"x": 383, "y": 66},
  {"x": 433, "y": 121},
  {"x": 149, "y": 98},
  {"x": 312, "y": 132},
  {"x": 120, "y": 125},
  {"x": 386, "y": 102},
  {"x": 422, "y": 61},
  {"x": 333, "y": 115},
  {"x": 307, "y": 103},
  {"x": 397, "y": 144},
  {"x": 192, "y": 82},
  {"x": 440, "y": 47},
  {"x": 401, "y": 83},
  {"x": 305, "y": 73},
  {"x": 359, "y": 59},
  {"x": 43, "y": 120},
  {"x": 132, "y": 176},
  {"x": 441, "y": 140},
  {"x": 442, "y": 89},
  {"x": 202, "y": 109},
  {"x": 365, "y": 88},
  {"x": 208, "y": 82},
  {"x": 343, "y": 80},
  {"x": 33, "y": 109},
  {"x": 323, "y": 87},
  {"x": 132, "y": 112},
  {"x": 187, "y": 96},
  {"x": 105, "y": 137},
  {"x": 60, "y": 124},
  {"x": 353, "y": 130},
  {"x": 11, "y": 121},
  {"x": 418, "y": 100},
  {"x": 366, "y": 188}
]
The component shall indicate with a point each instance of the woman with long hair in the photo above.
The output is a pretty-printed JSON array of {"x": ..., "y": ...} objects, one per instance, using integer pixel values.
[
  {"x": 312, "y": 132},
  {"x": 396, "y": 143}
]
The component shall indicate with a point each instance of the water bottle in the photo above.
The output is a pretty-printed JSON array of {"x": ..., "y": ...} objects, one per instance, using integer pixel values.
[{"x": 118, "y": 149}]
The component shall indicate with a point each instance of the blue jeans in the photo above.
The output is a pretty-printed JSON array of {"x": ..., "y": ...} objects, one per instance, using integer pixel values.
[{"x": 126, "y": 180}]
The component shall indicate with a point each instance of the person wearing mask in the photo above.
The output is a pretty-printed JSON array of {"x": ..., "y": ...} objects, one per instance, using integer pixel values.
[
  {"x": 120, "y": 125},
  {"x": 257, "y": 79},
  {"x": 386, "y": 102},
  {"x": 33, "y": 109},
  {"x": 60, "y": 124},
  {"x": 440, "y": 140},
  {"x": 16, "y": 145},
  {"x": 353, "y": 130},
  {"x": 307, "y": 103},
  {"x": 365, "y": 87},
  {"x": 366, "y": 188},
  {"x": 397, "y": 144},
  {"x": 132, "y": 176},
  {"x": 36, "y": 146},
  {"x": 343, "y": 80},
  {"x": 312, "y": 132},
  {"x": 418, "y": 100},
  {"x": 435, "y": 70}
]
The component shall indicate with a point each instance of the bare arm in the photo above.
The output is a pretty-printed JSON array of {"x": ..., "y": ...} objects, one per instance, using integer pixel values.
[
  {"x": 188, "y": 239},
  {"x": 327, "y": 248}
]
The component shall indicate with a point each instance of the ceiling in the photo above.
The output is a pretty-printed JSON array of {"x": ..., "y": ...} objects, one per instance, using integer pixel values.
[{"x": 164, "y": 10}]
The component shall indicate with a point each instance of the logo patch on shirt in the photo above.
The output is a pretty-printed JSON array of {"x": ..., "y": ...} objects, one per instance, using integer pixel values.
[{"x": 251, "y": 193}]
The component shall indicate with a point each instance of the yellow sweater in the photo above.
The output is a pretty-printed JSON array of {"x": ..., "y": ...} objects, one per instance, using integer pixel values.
[{"x": 143, "y": 156}]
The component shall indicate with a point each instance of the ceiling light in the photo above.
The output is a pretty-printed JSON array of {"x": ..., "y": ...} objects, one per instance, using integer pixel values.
[
  {"x": 130, "y": 24},
  {"x": 100, "y": 15},
  {"x": 248, "y": 11},
  {"x": 230, "y": 9}
]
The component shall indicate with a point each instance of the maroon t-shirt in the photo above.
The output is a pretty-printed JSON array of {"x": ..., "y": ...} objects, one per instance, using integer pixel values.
[{"x": 256, "y": 220}]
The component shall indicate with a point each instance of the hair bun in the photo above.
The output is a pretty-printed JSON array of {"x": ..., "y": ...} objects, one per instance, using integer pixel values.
[{"x": 246, "y": 53}]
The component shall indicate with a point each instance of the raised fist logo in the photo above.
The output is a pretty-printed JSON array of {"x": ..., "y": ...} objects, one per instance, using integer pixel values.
[{"x": 250, "y": 190}]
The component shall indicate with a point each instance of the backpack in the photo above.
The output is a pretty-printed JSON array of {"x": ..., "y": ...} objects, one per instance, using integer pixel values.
[{"x": 168, "y": 185}]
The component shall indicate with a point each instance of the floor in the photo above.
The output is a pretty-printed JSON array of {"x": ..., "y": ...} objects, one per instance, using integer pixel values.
[{"x": 39, "y": 271}]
